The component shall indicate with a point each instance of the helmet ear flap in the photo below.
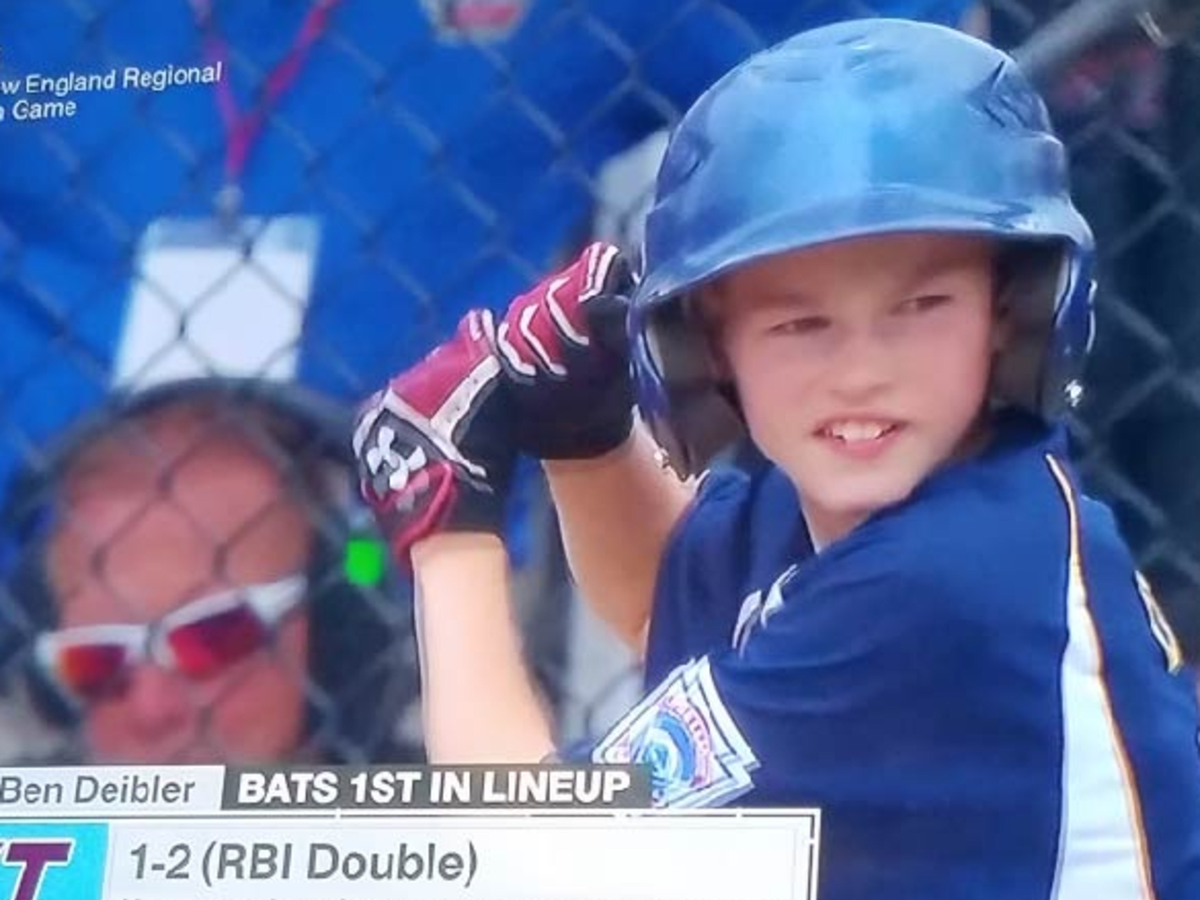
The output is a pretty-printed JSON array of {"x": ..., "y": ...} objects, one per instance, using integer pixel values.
[
  {"x": 1031, "y": 281},
  {"x": 703, "y": 416}
]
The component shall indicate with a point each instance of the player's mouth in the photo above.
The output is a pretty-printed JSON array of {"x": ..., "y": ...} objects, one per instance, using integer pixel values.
[{"x": 859, "y": 438}]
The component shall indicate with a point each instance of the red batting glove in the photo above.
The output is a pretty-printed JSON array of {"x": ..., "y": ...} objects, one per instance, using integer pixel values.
[
  {"x": 565, "y": 354},
  {"x": 433, "y": 448}
]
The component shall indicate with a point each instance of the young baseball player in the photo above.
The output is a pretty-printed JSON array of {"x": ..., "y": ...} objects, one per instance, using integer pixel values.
[{"x": 862, "y": 254}]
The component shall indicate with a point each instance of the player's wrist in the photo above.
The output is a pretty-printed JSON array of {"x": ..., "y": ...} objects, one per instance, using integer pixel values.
[
  {"x": 451, "y": 545},
  {"x": 587, "y": 441},
  {"x": 477, "y": 513},
  {"x": 615, "y": 455}
]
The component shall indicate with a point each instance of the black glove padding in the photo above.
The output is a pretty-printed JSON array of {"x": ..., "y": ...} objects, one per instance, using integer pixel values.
[{"x": 565, "y": 353}]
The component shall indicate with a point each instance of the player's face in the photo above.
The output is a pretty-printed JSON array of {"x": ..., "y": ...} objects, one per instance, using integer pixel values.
[
  {"x": 861, "y": 365},
  {"x": 135, "y": 549}
]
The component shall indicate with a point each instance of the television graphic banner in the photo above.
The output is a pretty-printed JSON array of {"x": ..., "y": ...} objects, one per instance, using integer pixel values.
[{"x": 485, "y": 833}]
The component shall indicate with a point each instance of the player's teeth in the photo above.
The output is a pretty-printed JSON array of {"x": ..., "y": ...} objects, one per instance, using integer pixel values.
[{"x": 857, "y": 431}]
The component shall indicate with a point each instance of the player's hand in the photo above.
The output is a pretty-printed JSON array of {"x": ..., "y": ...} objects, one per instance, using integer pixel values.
[
  {"x": 565, "y": 353},
  {"x": 433, "y": 448}
]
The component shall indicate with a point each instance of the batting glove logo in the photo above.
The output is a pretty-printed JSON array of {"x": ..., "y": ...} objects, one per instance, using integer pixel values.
[
  {"x": 430, "y": 447},
  {"x": 390, "y": 467}
]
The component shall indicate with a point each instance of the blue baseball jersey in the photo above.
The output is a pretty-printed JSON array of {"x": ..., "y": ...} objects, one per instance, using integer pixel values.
[
  {"x": 447, "y": 147},
  {"x": 975, "y": 686}
]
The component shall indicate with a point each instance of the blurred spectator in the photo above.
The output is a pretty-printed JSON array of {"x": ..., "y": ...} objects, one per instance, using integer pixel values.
[{"x": 200, "y": 585}]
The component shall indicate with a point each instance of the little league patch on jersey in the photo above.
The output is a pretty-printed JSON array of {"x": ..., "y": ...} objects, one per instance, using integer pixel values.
[{"x": 683, "y": 732}]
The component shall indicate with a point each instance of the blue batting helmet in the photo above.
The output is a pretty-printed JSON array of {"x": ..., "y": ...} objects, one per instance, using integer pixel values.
[{"x": 860, "y": 128}]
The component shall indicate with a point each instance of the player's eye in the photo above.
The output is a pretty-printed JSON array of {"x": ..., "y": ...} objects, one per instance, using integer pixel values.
[
  {"x": 799, "y": 325},
  {"x": 923, "y": 303}
]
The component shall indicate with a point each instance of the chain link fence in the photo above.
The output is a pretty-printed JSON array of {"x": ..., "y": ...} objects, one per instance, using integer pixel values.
[{"x": 281, "y": 202}]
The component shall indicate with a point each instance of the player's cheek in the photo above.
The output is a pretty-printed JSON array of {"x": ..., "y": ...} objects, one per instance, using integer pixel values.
[
  {"x": 953, "y": 374},
  {"x": 781, "y": 424},
  {"x": 762, "y": 406},
  {"x": 776, "y": 392}
]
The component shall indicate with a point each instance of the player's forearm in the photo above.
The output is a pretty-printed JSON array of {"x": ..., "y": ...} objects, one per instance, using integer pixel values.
[
  {"x": 617, "y": 513},
  {"x": 479, "y": 703}
]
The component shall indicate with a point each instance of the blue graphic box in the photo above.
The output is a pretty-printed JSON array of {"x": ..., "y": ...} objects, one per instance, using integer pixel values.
[{"x": 52, "y": 861}]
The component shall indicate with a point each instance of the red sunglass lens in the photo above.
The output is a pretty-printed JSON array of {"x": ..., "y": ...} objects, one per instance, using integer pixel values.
[
  {"x": 204, "y": 647},
  {"x": 93, "y": 671}
]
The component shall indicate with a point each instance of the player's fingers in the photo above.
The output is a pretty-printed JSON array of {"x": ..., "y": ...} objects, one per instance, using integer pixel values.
[
  {"x": 527, "y": 342},
  {"x": 608, "y": 322},
  {"x": 600, "y": 270},
  {"x": 545, "y": 328},
  {"x": 612, "y": 274},
  {"x": 540, "y": 340}
]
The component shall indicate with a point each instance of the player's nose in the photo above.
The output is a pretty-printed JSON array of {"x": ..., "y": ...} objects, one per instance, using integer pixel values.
[{"x": 860, "y": 365}]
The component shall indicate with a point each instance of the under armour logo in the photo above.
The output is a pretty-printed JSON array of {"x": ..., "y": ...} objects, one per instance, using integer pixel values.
[{"x": 385, "y": 459}]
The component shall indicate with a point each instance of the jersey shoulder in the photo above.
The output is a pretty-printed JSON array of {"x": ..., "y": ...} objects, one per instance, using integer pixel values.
[
  {"x": 993, "y": 529},
  {"x": 742, "y": 529},
  {"x": 743, "y": 522}
]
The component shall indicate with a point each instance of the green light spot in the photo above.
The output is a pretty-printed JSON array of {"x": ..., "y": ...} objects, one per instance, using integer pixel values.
[{"x": 365, "y": 561}]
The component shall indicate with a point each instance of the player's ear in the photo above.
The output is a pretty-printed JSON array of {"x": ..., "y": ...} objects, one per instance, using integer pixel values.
[
  {"x": 720, "y": 363},
  {"x": 1001, "y": 329},
  {"x": 1002, "y": 317},
  {"x": 709, "y": 300}
]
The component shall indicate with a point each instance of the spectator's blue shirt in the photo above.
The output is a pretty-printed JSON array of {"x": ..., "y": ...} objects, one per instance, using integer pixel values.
[
  {"x": 446, "y": 171},
  {"x": 973, "y": 686}
]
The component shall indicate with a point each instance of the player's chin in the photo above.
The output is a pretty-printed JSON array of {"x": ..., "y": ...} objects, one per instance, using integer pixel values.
[
  {"x": 861, "y": 501},
  {"x": 865, "y": 490}
]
